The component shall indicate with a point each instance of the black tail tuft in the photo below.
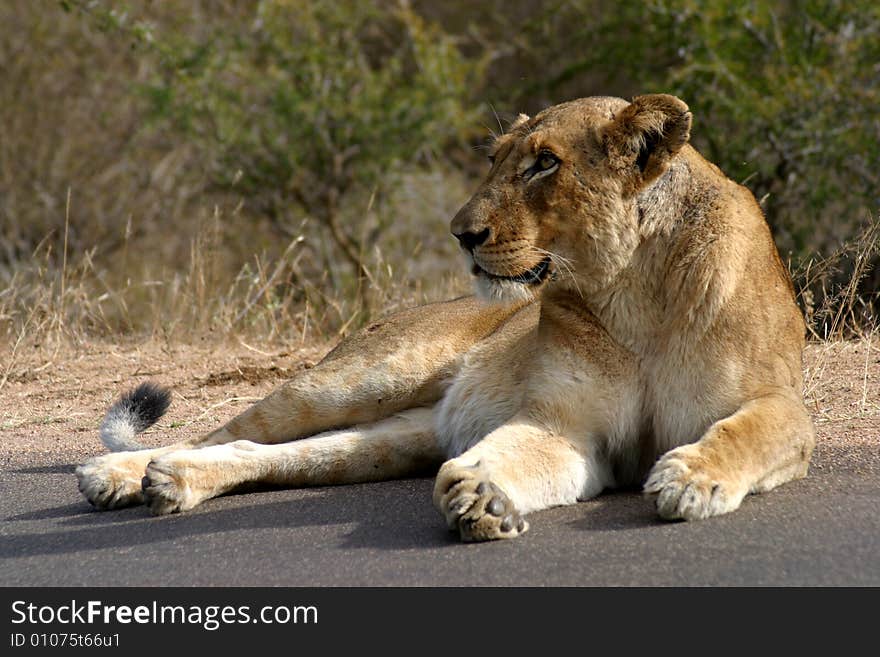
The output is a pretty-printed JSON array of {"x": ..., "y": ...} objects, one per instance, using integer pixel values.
[
  {"x": 146, "y": 404},
  {"x": 132, "y": 413}
]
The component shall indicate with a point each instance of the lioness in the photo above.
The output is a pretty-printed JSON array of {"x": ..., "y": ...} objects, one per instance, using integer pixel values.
[{"x": 634, "y": 325}]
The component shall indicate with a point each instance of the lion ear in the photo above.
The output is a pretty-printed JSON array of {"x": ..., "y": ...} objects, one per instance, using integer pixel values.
[
  {"x": 647, "y": 133},
  {"x": 520, "y": 120}
]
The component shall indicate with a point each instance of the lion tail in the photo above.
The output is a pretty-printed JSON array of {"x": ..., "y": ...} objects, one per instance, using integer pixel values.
[{"x": 134, "y": 412}]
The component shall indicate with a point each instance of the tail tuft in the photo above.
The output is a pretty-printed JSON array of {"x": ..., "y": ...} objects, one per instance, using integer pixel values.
[{"x": 133, "y": 412}]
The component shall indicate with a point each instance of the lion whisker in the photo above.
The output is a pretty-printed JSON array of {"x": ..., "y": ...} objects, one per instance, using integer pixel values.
[{"x": 563, "y": 264}]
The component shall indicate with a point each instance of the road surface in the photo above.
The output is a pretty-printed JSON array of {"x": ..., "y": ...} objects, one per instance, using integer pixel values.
[{"x": 824, "y": 530}]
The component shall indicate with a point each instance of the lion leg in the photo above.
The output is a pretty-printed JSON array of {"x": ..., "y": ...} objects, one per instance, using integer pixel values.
[
  {"x": 401, "y": 362},
  {"x": 518, "y": 468},
  {"x": 399, "y": 446},
  {"x": 767, "y": 442}
]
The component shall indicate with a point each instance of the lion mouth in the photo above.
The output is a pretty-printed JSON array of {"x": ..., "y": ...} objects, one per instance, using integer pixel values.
[{"x": 532, "y": 276}]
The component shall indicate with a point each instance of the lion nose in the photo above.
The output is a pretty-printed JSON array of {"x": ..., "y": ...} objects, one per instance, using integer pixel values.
[{"x": 470, "y": 239}]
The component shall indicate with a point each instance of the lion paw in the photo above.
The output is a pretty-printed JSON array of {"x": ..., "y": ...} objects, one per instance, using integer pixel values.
[
  {"x": 166, "y": 486},
  {"x": 686, "y": 489},
  {"x": 111, "y": 481},
  {"x": 475, "y": 506}
]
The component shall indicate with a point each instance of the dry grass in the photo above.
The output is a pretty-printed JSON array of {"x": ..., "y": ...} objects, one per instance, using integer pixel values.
[
  {"x": 843, "y": 311},
  {"x": 844, "y": 321},
  {"x": 273, "y": 299}
]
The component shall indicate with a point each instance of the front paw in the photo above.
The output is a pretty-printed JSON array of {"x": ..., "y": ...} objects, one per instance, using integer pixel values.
[
  {"x": 475, "y": 506},
  {"x": 688, "y": 487},
  {"x": 111, "y": 481}
]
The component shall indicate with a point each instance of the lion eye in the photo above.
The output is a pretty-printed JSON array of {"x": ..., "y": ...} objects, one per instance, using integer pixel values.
[
  {"x": 491, "y": 160},
  {"x": 545, "y": 164},
  {"x": 546, "y": 161}
]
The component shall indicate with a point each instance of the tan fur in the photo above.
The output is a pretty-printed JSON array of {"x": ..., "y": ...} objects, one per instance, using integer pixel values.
[{"x": 643, "y": 332}]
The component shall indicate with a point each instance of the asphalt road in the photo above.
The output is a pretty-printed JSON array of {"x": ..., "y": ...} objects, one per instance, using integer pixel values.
[{"x": 824, "y": 530}]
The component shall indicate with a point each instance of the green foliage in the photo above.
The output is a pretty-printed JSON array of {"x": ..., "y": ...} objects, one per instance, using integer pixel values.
[
  {"x": 302, "y": 103},
  {"x": 788, "y": 94}
]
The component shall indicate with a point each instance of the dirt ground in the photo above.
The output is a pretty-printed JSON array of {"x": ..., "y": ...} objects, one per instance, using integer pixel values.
[{"x": 51, "y": 400}]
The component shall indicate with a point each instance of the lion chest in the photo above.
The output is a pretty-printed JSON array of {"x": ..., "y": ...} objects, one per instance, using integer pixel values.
[{"x": 684, "y": 396}]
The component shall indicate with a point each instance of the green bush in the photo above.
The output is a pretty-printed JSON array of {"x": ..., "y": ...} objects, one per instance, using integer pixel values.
[{"x": 303, "y": 104}]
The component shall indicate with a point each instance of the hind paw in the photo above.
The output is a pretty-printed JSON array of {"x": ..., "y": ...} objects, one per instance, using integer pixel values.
[
  {"x": 111, "y": 481},
  {"x": 174, "y": 483}
]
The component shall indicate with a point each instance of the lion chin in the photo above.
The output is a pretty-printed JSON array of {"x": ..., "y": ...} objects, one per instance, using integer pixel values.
[
  {"x": 521, "y": 288},
  {"x": 507, "y": 292}
]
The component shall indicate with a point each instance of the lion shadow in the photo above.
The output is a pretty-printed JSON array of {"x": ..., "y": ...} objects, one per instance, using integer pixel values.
[{"x": 390, "y": 515}]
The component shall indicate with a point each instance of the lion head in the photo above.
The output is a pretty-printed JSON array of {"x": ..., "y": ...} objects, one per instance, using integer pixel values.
[{"x": 560, "y": 204}]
